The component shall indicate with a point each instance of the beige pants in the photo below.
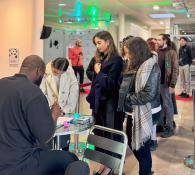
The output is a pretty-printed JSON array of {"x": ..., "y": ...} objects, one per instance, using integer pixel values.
[{"x": 184, "y": 72}]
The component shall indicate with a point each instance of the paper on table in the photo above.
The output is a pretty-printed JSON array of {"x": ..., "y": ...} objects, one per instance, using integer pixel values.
[{"x": 61, "y": 120}]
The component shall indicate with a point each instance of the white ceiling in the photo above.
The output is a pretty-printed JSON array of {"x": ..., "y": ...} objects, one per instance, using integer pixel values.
[{"x": 136, "y": 10}]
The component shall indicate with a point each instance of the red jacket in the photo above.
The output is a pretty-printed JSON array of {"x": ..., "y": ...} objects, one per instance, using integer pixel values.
[{"x": 73, "y": 54}]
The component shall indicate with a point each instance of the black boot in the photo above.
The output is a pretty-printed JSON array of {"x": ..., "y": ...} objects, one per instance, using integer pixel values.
[
  {"x": 153, "y": 145},
  {"x": 167, "y": 133}
]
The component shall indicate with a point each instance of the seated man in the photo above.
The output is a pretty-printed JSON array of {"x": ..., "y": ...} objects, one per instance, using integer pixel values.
[
  {"x": 61, "y": 86},
  {"x": 26, "y": 122}
]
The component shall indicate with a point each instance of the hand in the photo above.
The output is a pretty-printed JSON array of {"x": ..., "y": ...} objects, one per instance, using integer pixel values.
[
  {"x": 126, "y": 57},
  {"x": 97, "y": 68},
  {"x": 56, "y": 111},
  {"x": 171, "y": 90}
]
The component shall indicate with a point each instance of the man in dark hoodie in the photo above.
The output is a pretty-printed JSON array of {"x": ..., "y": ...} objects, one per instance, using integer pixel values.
[
  {"x": 185, "y": 60},
  {"x": 26, "y": 122}
]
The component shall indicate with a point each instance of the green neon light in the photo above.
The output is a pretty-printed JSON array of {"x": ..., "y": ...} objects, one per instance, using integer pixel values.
[
  {"x": 60, "y": 12},
  {"x": 107, "y": 16},
  {"x": 144, "y": 4},
  {"x": 92, "y": 11},
  {"x": 78, "y": 19},
  {"x": 85, "y": 25},
  {"x": 93, "y": 19},
  {"x": 96, "y": 24}
]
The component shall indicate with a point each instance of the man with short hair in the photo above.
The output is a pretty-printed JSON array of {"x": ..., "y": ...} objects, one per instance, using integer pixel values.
[
  {"x": 168, "y": 63},
  {"x": 185, "y": 60},
  {"x": 26, "y": 122}
]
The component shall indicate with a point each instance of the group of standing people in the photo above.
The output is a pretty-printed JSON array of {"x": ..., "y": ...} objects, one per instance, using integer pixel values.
[
  {"x": 140, "y": 85},
  {"x": 125, "y": 86},
  {"x": 137, "y": 84}
]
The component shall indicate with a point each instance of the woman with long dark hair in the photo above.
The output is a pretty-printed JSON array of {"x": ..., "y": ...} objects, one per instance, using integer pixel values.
[
  {"x": 103, "y": 97},
  {"x": 140, "y": 85}
]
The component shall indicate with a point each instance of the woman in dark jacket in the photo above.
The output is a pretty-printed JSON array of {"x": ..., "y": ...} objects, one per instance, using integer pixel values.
[
  {"x": 138, "y": 89},
  {"x": 103, "y": 97}
]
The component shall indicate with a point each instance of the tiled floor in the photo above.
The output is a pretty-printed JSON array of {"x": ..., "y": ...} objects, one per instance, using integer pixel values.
[{"x": 168, "y": 159}]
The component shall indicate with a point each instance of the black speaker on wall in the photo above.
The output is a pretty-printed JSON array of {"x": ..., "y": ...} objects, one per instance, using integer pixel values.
[{"x": 46, "y": 31}]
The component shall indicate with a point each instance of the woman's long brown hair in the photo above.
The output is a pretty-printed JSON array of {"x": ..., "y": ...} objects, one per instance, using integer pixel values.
[
  {"x": 106, "y": 36},
  {"x": 97, "y": 56},
  {"x": 139, "y": 52}
]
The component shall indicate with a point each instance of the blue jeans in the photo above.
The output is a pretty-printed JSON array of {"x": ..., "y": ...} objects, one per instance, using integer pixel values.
[
  {"x": 143, "y": 155},
  {"x": 167, "y": 108}
]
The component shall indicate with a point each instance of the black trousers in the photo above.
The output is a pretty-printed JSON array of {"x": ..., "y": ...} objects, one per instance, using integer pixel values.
[
  {"x": 49, "y": 163},
  {"x": 78, "y": 168},
  {"x": 143, "y": 155},
  {"x": 107, "y": 116},
  {"x": 79, "y": 70}
]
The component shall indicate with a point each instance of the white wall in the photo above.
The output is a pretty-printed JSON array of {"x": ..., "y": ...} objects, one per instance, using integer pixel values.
[
  {"x": 113, "y": 29},
  {"x": 66, "y": 40},
  {"x": 156, "y": 32},
  {"x": 38, "y": 21},
  {"x": 19, "y": 29},
  {"x": 16, "y": 32},
  {"x": 136, "y": 30},
  {"x": 50, "y": 51}
]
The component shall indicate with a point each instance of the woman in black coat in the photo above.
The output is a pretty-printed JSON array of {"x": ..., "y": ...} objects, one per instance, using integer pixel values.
[{"x": 103, "y": 97}]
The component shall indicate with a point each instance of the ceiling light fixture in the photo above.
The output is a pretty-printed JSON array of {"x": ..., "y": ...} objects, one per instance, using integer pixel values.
[
  {"x": 161, "y": 22},
  {"x": 62, "y": 4},
  {"x": 189, "y": 15},
  {"x": 156, "y": 7},
  {"x": 60, "y": 21},
  {"x": 87, "y": 19},
  {"x": 162, "y": 15}
]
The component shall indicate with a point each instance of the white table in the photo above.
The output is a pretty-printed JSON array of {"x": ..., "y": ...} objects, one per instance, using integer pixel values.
[{"x": 74, "y": 128}]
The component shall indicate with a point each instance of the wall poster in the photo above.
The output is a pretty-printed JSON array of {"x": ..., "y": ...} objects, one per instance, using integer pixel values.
[{"x": 13, "y": 56}]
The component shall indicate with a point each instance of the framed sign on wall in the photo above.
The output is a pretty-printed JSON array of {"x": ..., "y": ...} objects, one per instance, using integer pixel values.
[{"x": 13, "y": 56}]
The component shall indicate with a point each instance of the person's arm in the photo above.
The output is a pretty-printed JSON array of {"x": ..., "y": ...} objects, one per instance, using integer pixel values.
[
  {"x": 190, "y": 55},
  {"x": 73, "y": 93},
  {"x": 43, "y": 86},
  {"x": 175, "y": 69},
  {"x": 70, "y": 53},
  {"x": 46, "y": 89},
  {"x": 148, "y": 93},
  {"x": 39, "y": 119},
  {"x": 90, "y": 70}
]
